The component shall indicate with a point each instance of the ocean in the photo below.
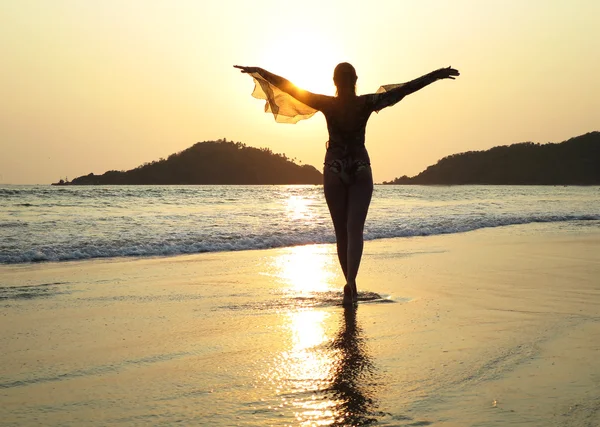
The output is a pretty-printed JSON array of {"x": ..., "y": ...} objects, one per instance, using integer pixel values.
[
  {"x": 45, "y": 223},
  {"x": 121, "y": 306}
]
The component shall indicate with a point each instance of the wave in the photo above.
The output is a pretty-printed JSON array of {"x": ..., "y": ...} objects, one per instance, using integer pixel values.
[
  {"x": 12, "y": 224},
  {"x": 223, "y": 243}
]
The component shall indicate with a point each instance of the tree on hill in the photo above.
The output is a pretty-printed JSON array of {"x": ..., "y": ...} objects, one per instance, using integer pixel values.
[
  {"x": 572, "y": 162},
  {"x": 212, "y": 162}
]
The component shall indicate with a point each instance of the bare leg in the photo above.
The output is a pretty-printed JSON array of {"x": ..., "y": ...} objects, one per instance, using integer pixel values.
[
  {"x": 348, "y": 206},
  {"x": 359, "y": 198},
  {"x": 337, "y": 201}
]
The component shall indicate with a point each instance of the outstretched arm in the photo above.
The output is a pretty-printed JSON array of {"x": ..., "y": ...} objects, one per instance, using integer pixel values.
[
  {"x": 391, "y": 94},
  {"x": 312, "y": 100},
  {"x": 427, "y": 79}
]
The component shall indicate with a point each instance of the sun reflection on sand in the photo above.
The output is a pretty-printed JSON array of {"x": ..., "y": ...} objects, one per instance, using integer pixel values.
[
  {"x": 308, "y": 368},
  {"x": 301, "y": 372},
  {"x": 326, "y": 377},
  {"x": 307, "y": 269}
]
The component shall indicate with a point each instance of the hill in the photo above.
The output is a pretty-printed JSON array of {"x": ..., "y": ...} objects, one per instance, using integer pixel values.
[
  {"x": 572, "y": 162},
  {"x": 211, "y": 162}
]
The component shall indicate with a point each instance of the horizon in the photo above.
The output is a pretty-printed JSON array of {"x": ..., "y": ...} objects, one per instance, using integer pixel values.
[
  {"x": 97, "y": 87},
  {"x": 300, "y": 163}
]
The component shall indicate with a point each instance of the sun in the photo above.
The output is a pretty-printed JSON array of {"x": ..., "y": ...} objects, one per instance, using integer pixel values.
[{"x": 308, "y": 62}]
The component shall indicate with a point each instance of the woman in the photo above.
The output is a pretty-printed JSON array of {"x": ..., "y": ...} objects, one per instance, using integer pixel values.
[{"x": 348, "y": 181}]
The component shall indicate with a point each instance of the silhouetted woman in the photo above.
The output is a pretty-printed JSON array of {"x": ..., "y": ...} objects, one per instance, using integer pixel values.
[{"x": 348, "y": 181}]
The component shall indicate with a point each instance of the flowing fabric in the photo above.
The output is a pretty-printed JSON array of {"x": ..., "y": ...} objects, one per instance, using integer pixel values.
[
  {"x": 285, "y": 108},
  {"x": 387, "y": 88},
  {"x": 386, "y": 96}
]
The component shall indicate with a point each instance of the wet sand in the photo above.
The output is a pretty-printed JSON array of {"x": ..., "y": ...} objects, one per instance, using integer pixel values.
[{"x": 488, "y": 328}]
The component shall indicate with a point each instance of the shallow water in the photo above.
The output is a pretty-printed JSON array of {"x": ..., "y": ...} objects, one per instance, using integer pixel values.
[
  {"x": 445, "y": 335},
  {"x": 43, "y": 223}
]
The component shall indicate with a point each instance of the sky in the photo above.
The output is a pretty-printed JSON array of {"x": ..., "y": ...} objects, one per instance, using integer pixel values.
[{"x": 90, "y": 86}]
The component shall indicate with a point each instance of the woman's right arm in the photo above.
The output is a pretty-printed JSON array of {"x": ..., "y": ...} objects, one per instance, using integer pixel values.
[{"x": 311, "y": 99}]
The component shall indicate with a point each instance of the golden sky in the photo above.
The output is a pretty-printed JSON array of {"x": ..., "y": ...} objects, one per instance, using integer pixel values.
[{"x": 90, "y": 86}]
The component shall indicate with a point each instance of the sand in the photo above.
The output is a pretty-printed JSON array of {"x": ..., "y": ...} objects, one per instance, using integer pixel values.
[{"x": 488, "y": 328}]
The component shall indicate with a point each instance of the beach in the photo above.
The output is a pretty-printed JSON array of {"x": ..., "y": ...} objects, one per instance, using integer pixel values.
[
  {"x": 173, "y": 252},
  {"x": 498, "y": 326}
]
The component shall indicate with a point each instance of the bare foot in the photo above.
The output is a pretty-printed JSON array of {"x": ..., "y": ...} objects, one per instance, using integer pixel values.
[
  {"x": 354, "y": 292},
  {"x": 349, "y": 296}
]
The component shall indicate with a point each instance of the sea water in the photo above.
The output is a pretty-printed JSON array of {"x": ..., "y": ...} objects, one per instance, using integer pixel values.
[
  {"x": 44, "y": 223},
  {"x": 258, "y": 338}
]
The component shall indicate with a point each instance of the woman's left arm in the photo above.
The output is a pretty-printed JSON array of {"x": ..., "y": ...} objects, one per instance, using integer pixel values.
[
  {"x": 427, "y": 79},
  {"x": 391, "y": 94}
]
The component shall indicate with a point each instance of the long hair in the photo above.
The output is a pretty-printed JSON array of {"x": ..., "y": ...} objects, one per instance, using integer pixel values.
[{"x": 344, "y": 78}]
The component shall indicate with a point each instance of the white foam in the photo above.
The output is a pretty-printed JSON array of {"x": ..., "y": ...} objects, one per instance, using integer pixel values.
[{"x": 75, "y": 223}]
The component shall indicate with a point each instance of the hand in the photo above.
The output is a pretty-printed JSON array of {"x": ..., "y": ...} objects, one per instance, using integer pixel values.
[
  {"x": 247, "y": 70},
  {"x": 447, "y": 73}
]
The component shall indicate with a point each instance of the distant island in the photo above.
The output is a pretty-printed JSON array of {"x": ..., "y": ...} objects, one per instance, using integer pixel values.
[
  {"x": 572, "y": 162},
  {"x": 211, "y": 162}
]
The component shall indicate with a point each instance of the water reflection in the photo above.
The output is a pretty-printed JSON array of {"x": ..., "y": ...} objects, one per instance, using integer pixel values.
[
  {"x": 327, "y": 377},
  {"x": 355, "y": 378},
  {"x": 298, "y": 208},
  {"x": 306, "y": 269}
]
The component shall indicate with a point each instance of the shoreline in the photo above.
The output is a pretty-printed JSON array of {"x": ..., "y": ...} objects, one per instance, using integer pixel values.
[
  {"x": 492, "y": 327},
  {"x": 553, "y": 227}
]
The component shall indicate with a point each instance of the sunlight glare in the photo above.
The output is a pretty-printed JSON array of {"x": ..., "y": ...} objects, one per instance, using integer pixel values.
[
  {"x": 307, "y": 329},
  {"x": 319, "y": 374},
  {"x": 306, "y": 369},
  {"x": 297, "y": 208},
  {"x": 308, "y": 63},
  {"x": 306, "y": 269},
  {"x": 311, "y": 369}
]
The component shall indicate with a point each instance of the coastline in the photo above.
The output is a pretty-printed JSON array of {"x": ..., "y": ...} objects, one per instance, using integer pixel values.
[{"x": 491, "y": 327}]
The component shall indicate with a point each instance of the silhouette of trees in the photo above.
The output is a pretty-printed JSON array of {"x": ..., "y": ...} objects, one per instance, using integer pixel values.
[
  {"x": 572, "y": 162},
  {"x": 212, "y": 162}
]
